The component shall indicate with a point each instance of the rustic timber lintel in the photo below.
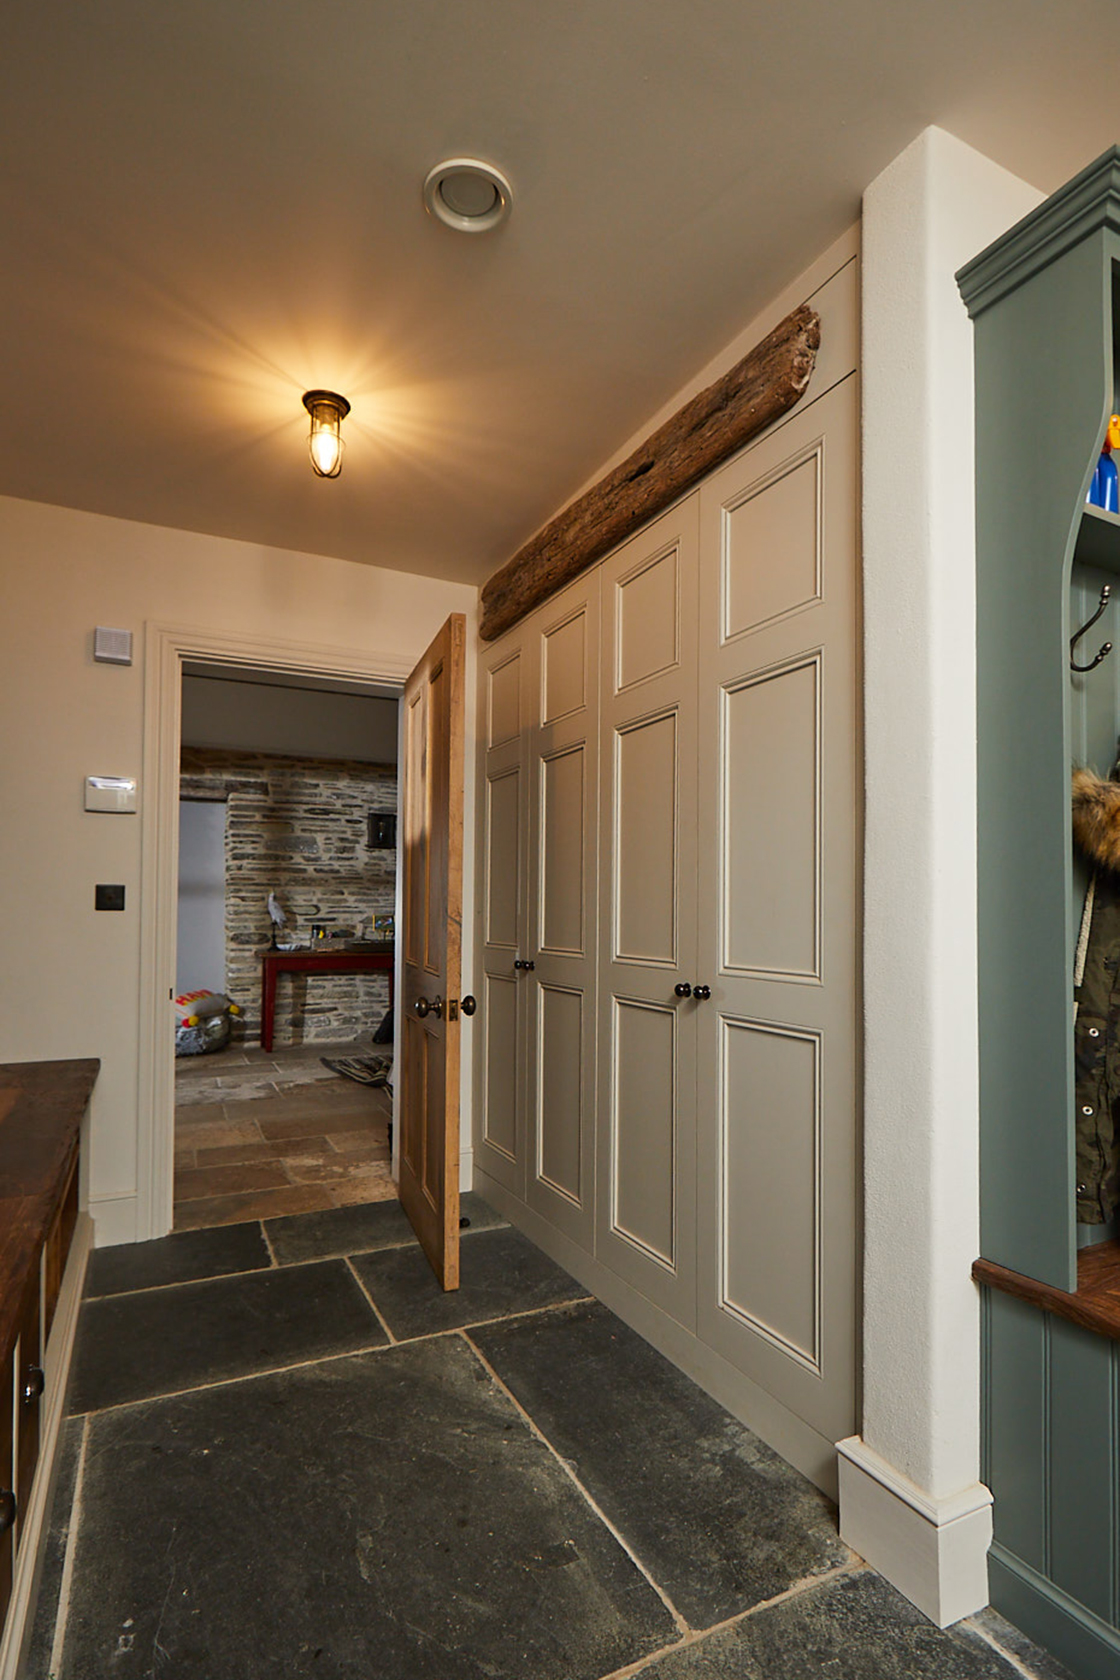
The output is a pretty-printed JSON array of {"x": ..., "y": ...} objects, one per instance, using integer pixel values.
[{"x": 717, "y": 422}]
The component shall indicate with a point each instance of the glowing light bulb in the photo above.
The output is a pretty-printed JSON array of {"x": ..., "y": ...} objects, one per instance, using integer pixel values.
[{"x": 327, "y": 410}]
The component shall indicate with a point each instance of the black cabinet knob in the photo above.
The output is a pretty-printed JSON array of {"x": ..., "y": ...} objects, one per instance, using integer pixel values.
[
  {"x": 701, "y": 992},
  {"x": 468, "y": 1005},
  {"x": 7, "y": 1510},
  {"x": 526, "y": 967},
  {"x": 422, "y": 1007},
  {"x": 683, "y": 990},
  {"x": 34, "y": 1383}
]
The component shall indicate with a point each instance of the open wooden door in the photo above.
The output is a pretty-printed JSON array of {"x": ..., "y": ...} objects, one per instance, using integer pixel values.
[{"x": 431, "y": 847}]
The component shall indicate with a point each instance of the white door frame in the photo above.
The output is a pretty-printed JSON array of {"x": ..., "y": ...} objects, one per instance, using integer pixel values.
[{"x": 167, "y": 648}]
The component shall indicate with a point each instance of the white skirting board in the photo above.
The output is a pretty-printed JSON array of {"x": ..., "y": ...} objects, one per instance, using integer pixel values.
[
  {"x": 114, "y": 1219},
  {"x": 935, "y": 1551},
  {"x": 56, "y": 1370}
]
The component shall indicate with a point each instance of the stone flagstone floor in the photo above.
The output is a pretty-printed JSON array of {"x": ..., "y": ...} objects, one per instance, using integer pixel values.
[{"x": 289, "y": 1454}]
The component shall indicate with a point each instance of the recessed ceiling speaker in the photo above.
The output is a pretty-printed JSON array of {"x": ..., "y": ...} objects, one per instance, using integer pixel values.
[{"x": 467, "y": 195}]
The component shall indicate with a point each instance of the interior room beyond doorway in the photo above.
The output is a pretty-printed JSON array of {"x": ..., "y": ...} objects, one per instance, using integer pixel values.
[{"x": 288, "y": 791}]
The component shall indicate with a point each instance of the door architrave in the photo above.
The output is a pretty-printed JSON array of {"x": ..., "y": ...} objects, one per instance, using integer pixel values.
[{"x": 168, "y": 648}]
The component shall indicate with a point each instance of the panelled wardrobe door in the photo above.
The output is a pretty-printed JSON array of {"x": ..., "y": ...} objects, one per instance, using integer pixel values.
[
  {"x": 778, "y": 872},
  {"x": 560, "y": 990},
  {"x": 646, "y": 1222},
  {"x": 506, "y": 687}
]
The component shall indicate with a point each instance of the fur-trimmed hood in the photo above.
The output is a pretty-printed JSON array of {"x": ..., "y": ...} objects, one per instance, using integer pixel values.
[{"x": 1096, "y": 818}]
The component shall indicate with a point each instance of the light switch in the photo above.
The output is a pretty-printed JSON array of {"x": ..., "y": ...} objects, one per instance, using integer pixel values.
[
  {"x": 108, "y": 896},
  {"x": 111, "y": 793}
]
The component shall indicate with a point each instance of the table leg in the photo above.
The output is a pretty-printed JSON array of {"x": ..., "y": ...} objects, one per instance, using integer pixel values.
[{"x": 268, "y": 1005}]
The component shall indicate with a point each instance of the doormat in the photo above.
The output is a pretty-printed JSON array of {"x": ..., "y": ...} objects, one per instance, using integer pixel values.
[{"x": 365, "y": 1070}]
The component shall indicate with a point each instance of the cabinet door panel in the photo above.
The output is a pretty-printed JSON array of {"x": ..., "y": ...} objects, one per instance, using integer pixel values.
[
  {"x": 560, "y": 991},
  {"x": 780, "y": 781},
  {"x": 770, "y": 774},
  {"x": 561, "y": 1122},
  {"x": 646, "y": 1229}
]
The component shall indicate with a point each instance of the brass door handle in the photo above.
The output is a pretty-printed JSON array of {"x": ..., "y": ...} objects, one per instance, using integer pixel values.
[
  {"x": 422, "y": 1007},
  {"x": 468, "y": 1005},
  {"x": 33, "y": 1385}
]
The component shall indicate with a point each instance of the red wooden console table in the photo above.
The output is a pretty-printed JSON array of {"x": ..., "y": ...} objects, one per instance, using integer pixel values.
[{"x": 367, "y": 959}]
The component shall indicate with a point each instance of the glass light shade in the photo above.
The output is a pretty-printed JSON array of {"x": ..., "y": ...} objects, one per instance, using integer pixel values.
[{"x": 327, "y": 410}]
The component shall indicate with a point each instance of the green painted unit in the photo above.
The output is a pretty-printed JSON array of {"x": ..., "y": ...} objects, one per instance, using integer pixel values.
[{"x": 1045, "y": 302}]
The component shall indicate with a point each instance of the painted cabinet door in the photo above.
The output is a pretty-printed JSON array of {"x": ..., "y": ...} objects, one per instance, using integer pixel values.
[
  {"x": 646, "y": 1223},
  {"x": 779, "y": 889},
  {"x": 506, "y": 685},
  {"x": 559, "y": 991}
]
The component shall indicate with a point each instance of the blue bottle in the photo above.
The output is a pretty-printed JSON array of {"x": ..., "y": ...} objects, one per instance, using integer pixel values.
[{"x": 1104, "y": 491}]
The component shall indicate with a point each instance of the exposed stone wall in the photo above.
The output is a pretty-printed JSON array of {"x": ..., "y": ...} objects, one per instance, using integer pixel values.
[{"x": 297, "y": 827}]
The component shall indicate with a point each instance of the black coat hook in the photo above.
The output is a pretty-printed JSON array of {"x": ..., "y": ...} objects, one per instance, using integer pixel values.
[{"x": 1106, "y": 649}]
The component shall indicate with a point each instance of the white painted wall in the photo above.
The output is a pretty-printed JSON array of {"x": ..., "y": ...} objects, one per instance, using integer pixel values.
[
  {"x": 200, "y": 950},
  {"x": 302, "y": 722},
  {"x": 70, "y": 976},
  {"x": 936, "y": 205}
]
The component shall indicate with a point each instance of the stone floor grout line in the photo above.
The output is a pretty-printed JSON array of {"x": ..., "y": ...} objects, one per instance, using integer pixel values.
[
  {"x": 267, "y": 1240},
  {"x": 1001, "y": 1650},
  {"x": 378, "y": 1314},
  {"x": 62, "y": 1609},
  {"x": 243, "y": 1376},
  {"x": 697, "y": 1636},
  {"x": 592, "y": 1503},
  {"x": 214, "y": 1277}
]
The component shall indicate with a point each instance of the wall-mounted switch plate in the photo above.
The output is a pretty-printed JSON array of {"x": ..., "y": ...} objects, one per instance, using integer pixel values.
[
  {"x": 112, "y": 647},
  {"x": 107, "y": 897},
  {"x": 111, "y": 793}
]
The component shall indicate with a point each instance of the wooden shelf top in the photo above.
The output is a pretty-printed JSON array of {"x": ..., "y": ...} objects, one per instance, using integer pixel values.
[
  {"x": 1095, "y": 1305},
  {"x": 41, "y": 1109}
]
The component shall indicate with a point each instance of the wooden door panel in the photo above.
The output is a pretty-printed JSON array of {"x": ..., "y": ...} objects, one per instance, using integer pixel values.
[
  {"x": 564, "y": 668},
  {"x": 432, "y": 854},
  {"x": 563, "y": 888},
  {"x": 500, "y": 1008},
  {"x": 648, "y": 619},
  {"x": 503, "y": 689}
]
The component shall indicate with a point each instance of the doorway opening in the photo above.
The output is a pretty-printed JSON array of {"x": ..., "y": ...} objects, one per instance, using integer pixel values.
[
  {"x": 200, "y": 676},
  {"x": 285, "y": 940}
]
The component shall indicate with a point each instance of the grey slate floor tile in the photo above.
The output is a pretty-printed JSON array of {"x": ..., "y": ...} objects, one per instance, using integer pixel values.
[
  {"x": 721, "y": 1521},
  {"x": 855, "y": 1627},
  {"x": 180, "y": 1258},
  {"x": 357, "y": 1230},
  {"x": 500, "y": 1272},
  {"x": 131, "y": 1347},
  {"x": 386, "y": 1517}
]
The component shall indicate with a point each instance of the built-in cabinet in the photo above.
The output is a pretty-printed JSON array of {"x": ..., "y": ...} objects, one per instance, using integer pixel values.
[
  {"x": 669, "y": 827},
  {"x": 1045, "y": 300}
]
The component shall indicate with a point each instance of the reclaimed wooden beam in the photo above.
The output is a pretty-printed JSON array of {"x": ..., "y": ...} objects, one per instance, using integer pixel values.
[{"x": 709, "y": 428}]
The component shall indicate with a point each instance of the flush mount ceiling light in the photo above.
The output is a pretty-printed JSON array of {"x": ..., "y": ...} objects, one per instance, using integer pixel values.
[
  {"x": 467, "y": 195},
  {"x": 327, "y": 410}
]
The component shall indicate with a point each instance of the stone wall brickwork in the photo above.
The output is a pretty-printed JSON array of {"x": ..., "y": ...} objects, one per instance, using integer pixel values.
[{"x": 297, "y": 827}]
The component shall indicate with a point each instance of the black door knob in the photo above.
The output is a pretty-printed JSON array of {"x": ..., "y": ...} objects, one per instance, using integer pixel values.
[
  {"x": 7, "y": 1510},
  {"x": 683, "y": 990},
  {"x": 437, "y": 1008},
  {"x": 526, "y": 966},
  {"x": 34, "y": 1383},
  {"x": 422, "y": 1007},
  {"x": 701, "y": 992},
  {"x": 468, "y": 1005}
]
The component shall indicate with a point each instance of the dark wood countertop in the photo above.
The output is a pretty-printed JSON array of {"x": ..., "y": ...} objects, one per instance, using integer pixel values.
[
  {"x": 1095, "y": 1305},
  {"x": 41, "y": 1109}
]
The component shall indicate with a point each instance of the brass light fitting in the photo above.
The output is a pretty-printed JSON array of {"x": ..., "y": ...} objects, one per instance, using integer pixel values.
[{"x": 327, "y": 410}]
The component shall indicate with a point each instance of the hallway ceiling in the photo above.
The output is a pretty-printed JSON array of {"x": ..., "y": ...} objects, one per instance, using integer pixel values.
[{"x": 209, "y": 207}]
